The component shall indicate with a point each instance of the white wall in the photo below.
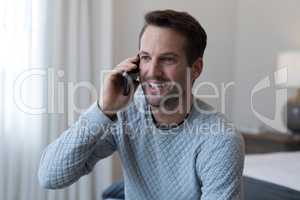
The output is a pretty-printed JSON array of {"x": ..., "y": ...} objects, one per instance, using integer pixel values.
[{"x": 264, "y": 28}]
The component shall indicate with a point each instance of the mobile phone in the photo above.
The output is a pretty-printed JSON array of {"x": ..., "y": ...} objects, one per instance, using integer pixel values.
[{"x": 130, "y": 76}]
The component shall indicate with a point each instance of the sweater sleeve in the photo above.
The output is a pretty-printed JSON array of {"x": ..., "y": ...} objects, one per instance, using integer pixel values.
[
  {"x": 219, "y": 167},
  {"x": 75, "y": 152}
]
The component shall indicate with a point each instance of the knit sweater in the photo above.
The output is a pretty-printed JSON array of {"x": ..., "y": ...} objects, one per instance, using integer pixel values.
[{"x": 201, "y": 158}]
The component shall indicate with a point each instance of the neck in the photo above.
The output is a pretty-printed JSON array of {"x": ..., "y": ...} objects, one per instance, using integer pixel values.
[{"x": 173, "y": 113}]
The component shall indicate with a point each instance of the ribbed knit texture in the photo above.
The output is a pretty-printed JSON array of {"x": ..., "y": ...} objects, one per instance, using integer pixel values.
[{"x": 200, "y": 159}]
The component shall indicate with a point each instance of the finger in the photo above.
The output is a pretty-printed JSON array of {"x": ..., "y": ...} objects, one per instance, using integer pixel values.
[
  {"x": 126, "y": 67},
  {"x": 130, "y": 60}
]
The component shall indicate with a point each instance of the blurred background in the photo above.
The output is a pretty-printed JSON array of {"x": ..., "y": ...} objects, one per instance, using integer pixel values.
[{"x": 53, "y": 55}]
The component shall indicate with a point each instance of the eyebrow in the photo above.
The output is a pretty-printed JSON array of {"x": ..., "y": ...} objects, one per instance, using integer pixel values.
[{"x": 163, "y": 54}]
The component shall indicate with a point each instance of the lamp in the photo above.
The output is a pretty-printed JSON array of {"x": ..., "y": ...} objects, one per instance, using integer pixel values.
[{"x": 291, "y": 62}]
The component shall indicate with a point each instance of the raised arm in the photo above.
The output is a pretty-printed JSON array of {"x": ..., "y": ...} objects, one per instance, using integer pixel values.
[{"x": 91, "y": 138}]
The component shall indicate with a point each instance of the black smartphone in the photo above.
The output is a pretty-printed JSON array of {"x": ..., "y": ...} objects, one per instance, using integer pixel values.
[{"x": 132, "y": 75}]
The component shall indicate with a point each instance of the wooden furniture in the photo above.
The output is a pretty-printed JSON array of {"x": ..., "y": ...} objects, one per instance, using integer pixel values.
[{"x": 267, "y": 142}]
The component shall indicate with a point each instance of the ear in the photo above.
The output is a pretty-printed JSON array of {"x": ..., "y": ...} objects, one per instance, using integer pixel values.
[{"x": 197, "y": 68}]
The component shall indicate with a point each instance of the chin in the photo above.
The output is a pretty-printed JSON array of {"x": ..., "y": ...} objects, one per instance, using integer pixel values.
[
  {"x": 168, "y": 105},
  {"x": 154, "y": 101}
]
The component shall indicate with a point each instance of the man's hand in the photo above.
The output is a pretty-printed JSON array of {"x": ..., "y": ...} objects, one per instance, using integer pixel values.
[{"x": 111, "y": 99}]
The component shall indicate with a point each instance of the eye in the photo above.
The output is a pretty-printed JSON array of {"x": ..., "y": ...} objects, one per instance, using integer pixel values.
[
  {"x": 168, "y": 60},
  {"x": 145, "y": 58}
]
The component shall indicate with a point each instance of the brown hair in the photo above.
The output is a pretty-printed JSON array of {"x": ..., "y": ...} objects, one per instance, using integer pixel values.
[{"x": 183, "y": 23}]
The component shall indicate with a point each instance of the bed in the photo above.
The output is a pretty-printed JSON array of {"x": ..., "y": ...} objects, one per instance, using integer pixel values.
[{"x": 272, "y": 176}]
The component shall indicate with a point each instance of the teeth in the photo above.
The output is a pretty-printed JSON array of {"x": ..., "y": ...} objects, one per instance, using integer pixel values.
[{"x": 157, "y": 86}]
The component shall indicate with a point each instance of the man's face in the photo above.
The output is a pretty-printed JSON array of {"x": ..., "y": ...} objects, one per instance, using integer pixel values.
[{"x": 164, "y": 70}]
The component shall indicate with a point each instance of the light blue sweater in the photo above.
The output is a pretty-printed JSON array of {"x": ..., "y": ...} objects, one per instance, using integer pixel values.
[{"x": 200, "y": 159}]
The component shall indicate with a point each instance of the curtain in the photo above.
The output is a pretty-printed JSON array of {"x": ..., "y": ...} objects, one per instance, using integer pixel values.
[{"x": 47, "y": 79}]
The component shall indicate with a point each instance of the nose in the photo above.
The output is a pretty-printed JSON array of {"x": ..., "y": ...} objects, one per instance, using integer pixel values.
[{"x": 154, "y": 69}]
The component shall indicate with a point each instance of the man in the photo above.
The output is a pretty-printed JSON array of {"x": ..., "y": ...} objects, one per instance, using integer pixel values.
[{"x": 171, "y": 144}]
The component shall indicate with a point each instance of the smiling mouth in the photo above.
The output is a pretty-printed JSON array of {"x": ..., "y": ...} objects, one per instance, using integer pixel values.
[
  {"x": 158, "y": 85},
  {"x": 159, "y": 88}
]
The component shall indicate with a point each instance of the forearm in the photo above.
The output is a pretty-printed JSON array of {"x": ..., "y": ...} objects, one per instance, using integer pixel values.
[{"x": 74, "y": 153}]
